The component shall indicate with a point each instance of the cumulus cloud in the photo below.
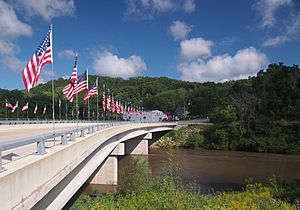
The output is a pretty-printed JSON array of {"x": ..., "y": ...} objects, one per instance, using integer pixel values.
[
  {"x": 11, "y": 28},
  {"x": 196, "y": 47},
  {"x": 189, "y": 6},
  {"x": 244, "y": 63},
  {"x": 12, "y": 63},
  {"x": 10, "y": 25},
  {"x": 47, "y": 9},
  {"x": 267, "y": 9},
  {"x": 68, "y": 54},
  {"x": 291, "y": 33},
  {"x": 106, "y": 63},
  {"x": 180, "y": 30},
  {"x": 147, "y": 9}
]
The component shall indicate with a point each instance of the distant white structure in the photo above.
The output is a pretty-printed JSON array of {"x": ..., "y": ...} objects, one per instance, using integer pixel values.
[{"x": 145, "y": 116}]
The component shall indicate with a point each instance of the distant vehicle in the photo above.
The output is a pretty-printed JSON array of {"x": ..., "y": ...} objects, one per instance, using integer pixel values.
[{"x": 145, "y": 116}]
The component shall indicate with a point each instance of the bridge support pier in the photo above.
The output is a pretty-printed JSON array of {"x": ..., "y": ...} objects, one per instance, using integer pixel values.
[
  {"x": 107, "y": 173},
  {"x": 138, "y": 146}
]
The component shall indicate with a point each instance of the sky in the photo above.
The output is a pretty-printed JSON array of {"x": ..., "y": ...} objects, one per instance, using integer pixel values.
[{"x": 191, "y": 40}]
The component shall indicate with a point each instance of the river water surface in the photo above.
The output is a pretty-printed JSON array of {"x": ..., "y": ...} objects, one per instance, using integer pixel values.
[{"x": 222, "y": 169}]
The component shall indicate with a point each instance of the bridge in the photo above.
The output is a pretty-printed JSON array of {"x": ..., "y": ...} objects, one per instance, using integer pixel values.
[{"x": 54, "y": 166}]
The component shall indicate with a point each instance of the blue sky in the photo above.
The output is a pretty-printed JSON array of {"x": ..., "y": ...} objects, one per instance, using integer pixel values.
[{"x": 193, "y": 40}]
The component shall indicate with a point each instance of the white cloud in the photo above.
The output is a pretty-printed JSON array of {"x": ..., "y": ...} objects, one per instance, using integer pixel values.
[
  {"x": 147, "y": 9},
  {"x": 106, "y": 63},
  {"x": 47, "y": 9},
  {"x": 244, "y": 63},
  {"x": 7, "y": 48},
  {"x": 10, "y": 28},
  {"x": 189, "y": 6},
  {"x": 68, "y": 54},
  {"x": 163, "y": 5},
  {"x": 291, "y": 33},
  {"x": 12, "y": 63},
  {"x": 180, "y": 30},
  {"x": 267, "y": 9},
  {"x": 196, "y": 47},
  {"x": 10, "y": 25}
]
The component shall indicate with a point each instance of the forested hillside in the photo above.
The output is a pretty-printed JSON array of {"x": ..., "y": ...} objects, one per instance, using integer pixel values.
[{"x": 273, "y": 94}]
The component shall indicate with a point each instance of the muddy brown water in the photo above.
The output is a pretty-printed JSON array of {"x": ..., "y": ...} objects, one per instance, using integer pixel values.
[{"x": 219, "y": 170}]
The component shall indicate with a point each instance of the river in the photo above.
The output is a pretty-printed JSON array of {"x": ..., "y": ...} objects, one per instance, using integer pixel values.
[{"x": 219, "y": 170}]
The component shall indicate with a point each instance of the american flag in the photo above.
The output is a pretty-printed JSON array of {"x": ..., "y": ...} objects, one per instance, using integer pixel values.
[
  {"x": 118, "y": 106},
  {"x": 68, "y": 90},
  {"x": 15, "y": 107},
  {"x": 35, "y": 109},
  {"x": 92, "y": 92},
  {"x": 121, "y": 107},
  {"x": 82, "y": 83},
  {"x": 113, "y": 107},
  {"x": 108, "y": 101},
  {"x": 44, "y": 111},
  {"x": 42, "y": 56},
  {"x": 8, "y": 105},
  {"x": 25, "y": 107},
  {"x": 104, "y": 99}
]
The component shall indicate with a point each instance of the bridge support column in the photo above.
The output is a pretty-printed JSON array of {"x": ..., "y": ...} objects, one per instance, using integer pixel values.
[
  {"x": 137, "y": 147},
  {"x": 107, "y": 173}
]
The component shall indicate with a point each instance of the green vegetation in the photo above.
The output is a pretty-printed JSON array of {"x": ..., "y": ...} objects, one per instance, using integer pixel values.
[
  {"x": 168, "y": 192},
  {"x": 258, "y": 114}
]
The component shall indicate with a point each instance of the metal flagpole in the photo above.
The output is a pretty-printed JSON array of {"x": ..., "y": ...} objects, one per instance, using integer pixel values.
[
  {"x": 97, "y": 100},
  {"x": 77, "y": 109},
  {"x": 87, "y": 85},
  {"x": 67, "y": 109},
  {"x": 89, "y": 110},
  {"x": 53, "y": 116},
  {"x": 27, "y": 113},
  {"x": 18, "y": 112},
  {"x": 59, "y": 103},
  {"x": 6, "y": 108}
]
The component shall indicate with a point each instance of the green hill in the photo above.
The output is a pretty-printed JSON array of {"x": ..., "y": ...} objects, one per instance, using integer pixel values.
[{"x": 274, "y": 93}]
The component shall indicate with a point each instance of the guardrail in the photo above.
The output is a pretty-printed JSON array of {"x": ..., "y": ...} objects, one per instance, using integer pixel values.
[
  {"x": 40, "y": 140},
  {"x": 15, "y": 122}
]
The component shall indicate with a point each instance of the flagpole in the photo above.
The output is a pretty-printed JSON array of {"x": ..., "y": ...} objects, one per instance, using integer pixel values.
[
  {"x": 77, "y": 109},
  {"x": 6, "y": 108},
  {"x": 66, "y": 110},
  {"x": 27, "y": 113},
  {"x": 59, "y": 110},
  {"x": 97, "y": 100},
  {"x": 53, "y": 116},
  {"x": 89, "y": 110}
]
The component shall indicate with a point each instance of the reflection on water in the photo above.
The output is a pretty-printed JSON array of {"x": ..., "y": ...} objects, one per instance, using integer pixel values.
[{"x": 223, "y": 169}]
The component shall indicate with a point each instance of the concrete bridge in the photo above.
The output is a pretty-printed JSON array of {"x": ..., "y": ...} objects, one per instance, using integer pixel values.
[{"x": 62, "y": 163}]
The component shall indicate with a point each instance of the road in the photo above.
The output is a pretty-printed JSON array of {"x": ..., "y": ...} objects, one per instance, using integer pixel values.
[{"x": 12, "y": 132}]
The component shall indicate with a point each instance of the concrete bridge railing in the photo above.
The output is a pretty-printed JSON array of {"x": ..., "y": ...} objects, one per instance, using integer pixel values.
[{"x": 48, "y": 181}]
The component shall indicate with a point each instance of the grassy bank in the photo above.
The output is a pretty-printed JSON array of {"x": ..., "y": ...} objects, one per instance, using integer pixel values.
[{"x": 139, "y": 191}]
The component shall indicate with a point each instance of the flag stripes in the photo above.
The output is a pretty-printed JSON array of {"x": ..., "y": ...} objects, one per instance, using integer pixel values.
[
  {"x": 92, "y": 92},
  {"x": 42, "y": 56},
  {"x": 68, "y": 90},
  {"x": 82, "y": 83}
]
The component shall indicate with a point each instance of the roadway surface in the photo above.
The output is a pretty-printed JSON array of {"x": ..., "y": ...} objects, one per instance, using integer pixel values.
[
  {"x": 12, "y": 132},
  {"x": 18, "y": 131}
]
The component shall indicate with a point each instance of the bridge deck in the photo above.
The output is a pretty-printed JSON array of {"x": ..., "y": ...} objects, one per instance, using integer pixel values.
[{"x": 11, "y": 132}]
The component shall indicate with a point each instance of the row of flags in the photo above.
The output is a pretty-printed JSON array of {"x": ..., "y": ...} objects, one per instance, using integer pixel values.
[
  {"x": 44, "y": 55},
  {"x": 24, "y": 108}
]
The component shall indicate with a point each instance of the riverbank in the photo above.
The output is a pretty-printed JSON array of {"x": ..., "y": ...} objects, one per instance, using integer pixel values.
[
  {"x": 138, "y": 190},
  {"x": 227, "y": 138}
]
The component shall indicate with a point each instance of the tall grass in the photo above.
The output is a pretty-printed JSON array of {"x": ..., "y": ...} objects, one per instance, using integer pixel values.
[{"x": 138, "y": 191}]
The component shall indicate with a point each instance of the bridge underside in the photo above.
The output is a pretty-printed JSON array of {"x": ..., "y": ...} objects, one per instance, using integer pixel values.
[{"x": 49, "y": 181}]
